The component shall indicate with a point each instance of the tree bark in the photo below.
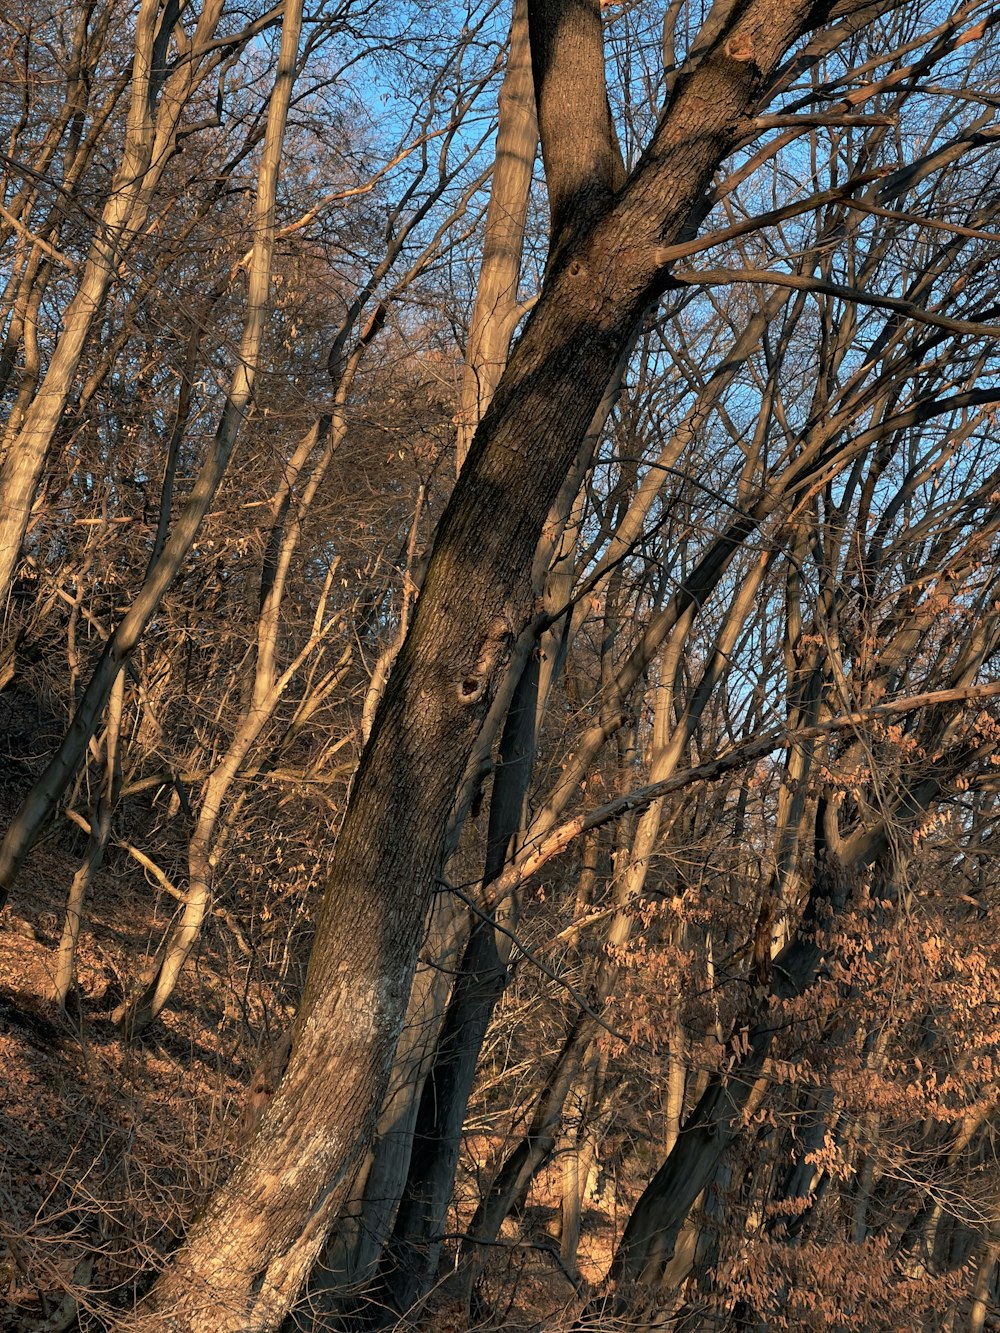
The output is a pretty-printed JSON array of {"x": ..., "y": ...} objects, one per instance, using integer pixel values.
[
  {"x": 351, "y": 1256},
  {"x": 410, "y": 1265}
]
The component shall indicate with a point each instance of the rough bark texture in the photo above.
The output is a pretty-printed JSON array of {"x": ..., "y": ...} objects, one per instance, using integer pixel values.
[
  {"x": 252, "y": 1248},
  {"x": 350, "y": 1258}
]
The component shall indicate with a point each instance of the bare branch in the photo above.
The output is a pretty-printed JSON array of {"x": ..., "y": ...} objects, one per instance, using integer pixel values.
[
  {"x": 535, "y": 857},
  {"x": 715, "y": 277}
]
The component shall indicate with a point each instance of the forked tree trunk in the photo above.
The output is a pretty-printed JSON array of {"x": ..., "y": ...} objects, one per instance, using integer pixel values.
[{"x": 253, "y": 1246}]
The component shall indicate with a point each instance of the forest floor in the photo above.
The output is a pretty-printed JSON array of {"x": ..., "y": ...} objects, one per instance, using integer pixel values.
[{"x": 109, "y": 1147}]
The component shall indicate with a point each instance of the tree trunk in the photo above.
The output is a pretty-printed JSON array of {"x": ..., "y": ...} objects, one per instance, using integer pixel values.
[
  {"x": 253, "y": 1246},
  {"x": 411, "y": 1262},
  {"x": 44, "y": 797},
  {"x": 410, "y": 1265},
  {"x": 267, "y": 688},
  {"x": 496, "y": 310},
  {"x": 989, "y": 1251},
  {"x": 97, "y": 843},
  {"x": 529, "y": 1155},
  {"x": 364, "y": 1225}
]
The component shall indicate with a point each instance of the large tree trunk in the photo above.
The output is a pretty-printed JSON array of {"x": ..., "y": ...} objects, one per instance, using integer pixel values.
[
  {"x": 351, "y": 1255},
  {"x": 409, "y": 1267},
  {"x": 257, "y": 1238}
]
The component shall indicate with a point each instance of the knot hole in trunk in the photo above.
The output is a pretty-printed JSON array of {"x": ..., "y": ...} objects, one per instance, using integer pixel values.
[{"x": 475, "y": 684}]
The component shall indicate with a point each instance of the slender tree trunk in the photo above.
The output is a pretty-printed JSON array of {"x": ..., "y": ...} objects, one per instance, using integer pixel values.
[
  {"x": 582, "y": 1149},
  {"x": 100, "y": 832},
  {"x": 496, "y": 310},
  {"x": 27, "y": 451},
  {"x": 989, "y": 1252},
  {"x": 42, "y": 800},
  {"x": 579, "y": 1146},
  {"x": 530, "y": 1154},
  {"x": 266, "y": 691}
]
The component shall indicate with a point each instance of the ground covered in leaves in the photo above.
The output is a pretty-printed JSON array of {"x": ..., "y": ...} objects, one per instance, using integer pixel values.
[{"x": 109, "y": 1146}]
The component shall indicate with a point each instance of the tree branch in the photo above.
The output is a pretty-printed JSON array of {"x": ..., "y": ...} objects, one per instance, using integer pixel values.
[
  {"x": 536, "y": 856},
  {"x": 713, "y": 277}
]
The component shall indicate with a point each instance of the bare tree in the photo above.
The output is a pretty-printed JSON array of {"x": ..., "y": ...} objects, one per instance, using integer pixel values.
[
  {"x": 609, "y": 258},
  {"x": 670, "y": 848}
]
